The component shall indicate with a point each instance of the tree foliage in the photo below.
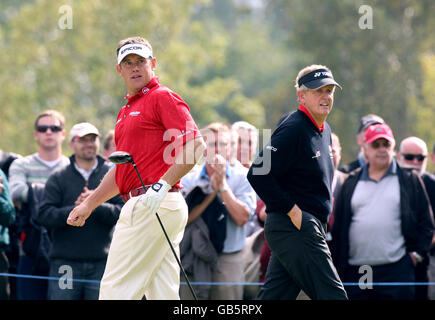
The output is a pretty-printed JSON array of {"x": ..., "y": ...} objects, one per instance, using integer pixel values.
[{"x": 229, "y": 59}]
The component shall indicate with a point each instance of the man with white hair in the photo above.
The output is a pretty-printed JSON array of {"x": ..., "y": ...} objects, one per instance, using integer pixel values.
[
  {"x": 297, "y": 193},
  {"x": 413, "y": 154},
  {"x": 245, "y": 147}
]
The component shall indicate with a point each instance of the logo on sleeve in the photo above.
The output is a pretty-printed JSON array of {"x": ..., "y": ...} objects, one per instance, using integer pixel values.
[
  {"x": 271, "y": 148},
  {"x": 318, "y": 154},
  {"x": 134, "y": 113},
  {"x": 184, "y": 133}
]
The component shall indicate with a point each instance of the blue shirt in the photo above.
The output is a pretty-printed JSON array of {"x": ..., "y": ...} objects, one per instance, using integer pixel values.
[{"x": 242, "y": 190}]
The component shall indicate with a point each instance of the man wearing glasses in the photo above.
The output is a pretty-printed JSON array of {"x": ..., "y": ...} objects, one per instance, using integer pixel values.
[
  {"x": 84, "y": 250},
  {"x": 383, "y": 227},
  {"x": 49, "y": 134},
  {"x": 413, "y": 153}
]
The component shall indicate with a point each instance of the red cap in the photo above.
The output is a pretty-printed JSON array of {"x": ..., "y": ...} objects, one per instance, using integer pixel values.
[{"x": 377, "y": 131}]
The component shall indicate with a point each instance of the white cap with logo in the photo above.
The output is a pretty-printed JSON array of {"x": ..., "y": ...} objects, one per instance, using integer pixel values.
[
  {"x": 134, "y": 48},
  {"x": 81, "y": 129}
]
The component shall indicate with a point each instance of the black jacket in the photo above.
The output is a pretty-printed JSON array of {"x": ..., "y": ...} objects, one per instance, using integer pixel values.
[
  {"x": 416, "y": 217},
  {"x": 214, "y": 216},
  {"x": 429, "y": 183},
  {"x": 299, "y": 157},
  {"x": 350, "y": 166},
  {"x": 90, "y": 242}
]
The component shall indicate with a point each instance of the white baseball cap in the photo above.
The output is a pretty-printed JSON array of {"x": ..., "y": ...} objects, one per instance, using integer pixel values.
[
  {"x": 134, "y": 48},
  {"x": 81, "y": 129}
]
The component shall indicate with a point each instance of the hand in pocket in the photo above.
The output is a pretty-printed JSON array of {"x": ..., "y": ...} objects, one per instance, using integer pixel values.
[{"x": 295, "y": 215}]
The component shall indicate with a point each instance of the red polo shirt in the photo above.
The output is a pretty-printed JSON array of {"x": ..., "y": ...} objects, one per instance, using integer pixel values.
[{"x": 152, "y": 127}]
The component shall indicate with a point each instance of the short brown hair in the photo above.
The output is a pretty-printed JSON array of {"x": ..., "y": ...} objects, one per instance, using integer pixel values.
[
  {"x": 108, "y": 139},
  {"x": 51, "y": 113},
  {"x": 130, "y": 40},
  {"x": 217, "y": 127}
]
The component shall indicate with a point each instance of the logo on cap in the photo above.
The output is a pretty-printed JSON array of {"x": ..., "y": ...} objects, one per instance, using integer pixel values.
[
  {"x": 317, "y": 78},
  {"x": 132, "y": 48},
  {"x": 326, "y": 74},
  {"x": 377, "y": 131}
]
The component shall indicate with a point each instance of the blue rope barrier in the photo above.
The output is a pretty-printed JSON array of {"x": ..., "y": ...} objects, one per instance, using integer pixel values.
[
  {"x": 29, "y": 276},
  {"x": 202, "y": 283}
]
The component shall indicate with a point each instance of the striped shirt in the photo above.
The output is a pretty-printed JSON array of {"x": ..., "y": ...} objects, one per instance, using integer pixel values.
[{"x": 30, "y": 169}]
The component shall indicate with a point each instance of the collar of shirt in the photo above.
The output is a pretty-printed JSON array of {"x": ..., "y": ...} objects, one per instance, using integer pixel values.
[
  {"x": 204, "y": 175},
  {"x": 154, "y": 82},
  {"x": 85, "y": 173},
  {"x": 392, "y": 170},
  {"x": 304, "y": 110}
]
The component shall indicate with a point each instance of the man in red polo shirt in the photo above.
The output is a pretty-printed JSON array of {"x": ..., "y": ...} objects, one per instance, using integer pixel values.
[{"x": 156, "y": 128}]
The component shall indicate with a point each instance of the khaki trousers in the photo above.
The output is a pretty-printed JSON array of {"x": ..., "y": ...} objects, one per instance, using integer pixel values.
[
  {"x": 230, "y": 269},
  {"x": 140, "y": 261}
]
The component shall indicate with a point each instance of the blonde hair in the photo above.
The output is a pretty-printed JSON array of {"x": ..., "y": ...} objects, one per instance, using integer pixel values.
[
  {"x": 130, "y": 40},
  {"x": 305, "y": 71}
]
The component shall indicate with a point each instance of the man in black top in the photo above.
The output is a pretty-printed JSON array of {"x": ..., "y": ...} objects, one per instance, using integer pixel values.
[{"x": 293, "y": 176}]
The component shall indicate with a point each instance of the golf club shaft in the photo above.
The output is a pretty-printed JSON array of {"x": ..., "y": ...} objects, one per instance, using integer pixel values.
[
  {"x": 176, "y": 257},
  {"x": 167, "y": 238},
  {"x": 140, "y": 178}
]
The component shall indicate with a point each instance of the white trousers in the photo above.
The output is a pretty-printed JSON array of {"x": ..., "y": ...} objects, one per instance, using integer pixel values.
[{"x": 140, "y": 261}]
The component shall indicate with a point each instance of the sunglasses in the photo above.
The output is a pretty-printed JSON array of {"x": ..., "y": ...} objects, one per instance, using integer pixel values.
[
  {"x": 411, "y": 157},
  {"x": 377, "y": 143},
  {"x": 45, "y": 128}
]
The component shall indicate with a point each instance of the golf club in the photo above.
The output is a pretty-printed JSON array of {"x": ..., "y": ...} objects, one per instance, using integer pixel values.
[{"x": 121, "y": 157}]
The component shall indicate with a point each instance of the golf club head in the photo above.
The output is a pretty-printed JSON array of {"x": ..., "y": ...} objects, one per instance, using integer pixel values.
[{"x": 120, "y": 157}]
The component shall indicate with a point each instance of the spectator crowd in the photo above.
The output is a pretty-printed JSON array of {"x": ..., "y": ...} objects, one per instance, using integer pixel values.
[{"x": 382, "y": 215}]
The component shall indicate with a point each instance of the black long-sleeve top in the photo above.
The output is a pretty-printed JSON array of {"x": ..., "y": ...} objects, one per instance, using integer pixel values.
[
  {"x": 299, "y": 157},
  {"x": 90, "y": 242}
]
